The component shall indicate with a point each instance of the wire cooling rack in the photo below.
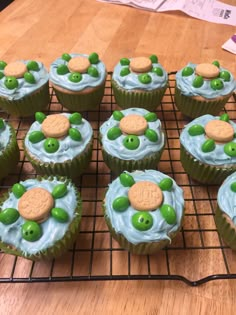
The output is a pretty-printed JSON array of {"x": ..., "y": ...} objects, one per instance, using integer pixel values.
[{"x": 197, "y": 255}]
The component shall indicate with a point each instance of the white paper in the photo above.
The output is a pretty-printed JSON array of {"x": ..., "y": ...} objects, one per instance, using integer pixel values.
[{"x": 230, "y": 46}]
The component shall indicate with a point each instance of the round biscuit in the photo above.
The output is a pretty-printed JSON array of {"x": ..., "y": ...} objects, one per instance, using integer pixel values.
[
  {"x": 207, "y": 70},
  {"x": 79, "y": 64},
  {"x": 55, "y": 126},
  {"x": 145, "y": 196},
  {"x": 219, "y": 130},
  {"x": 15, "y": 69},
  {"x": 133, "y": 124},
  {"x": 140, "y": 64}
]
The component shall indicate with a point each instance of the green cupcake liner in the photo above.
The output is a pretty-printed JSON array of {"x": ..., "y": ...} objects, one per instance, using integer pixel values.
[
  {"x": 61, "y": 245},
  {"x": 29, "y": 104},
  {"x": 149, "y": 100},
  {"x": 203, "y": 173},
  {"x": 194, "y": 108}
]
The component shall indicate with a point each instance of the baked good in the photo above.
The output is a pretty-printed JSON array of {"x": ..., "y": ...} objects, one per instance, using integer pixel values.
[
  {"x": 24, "y": 87},
  {"x": 144, "y": 210},
  {"x": 208, "y": 148},
  {"x": 203, "y": 89},
  {"x": 139, "y": 82},
  {"x": 78, "y": 81},
  {"x": 9, "y": 150},
  {"x": 59, "y": 144},
  {"x": 32, "y": 209},
  {"x": 132, "y": 139}
]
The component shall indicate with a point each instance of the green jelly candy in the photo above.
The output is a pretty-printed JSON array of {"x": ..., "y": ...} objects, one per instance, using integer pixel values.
[
  {"x": 75, "y": 77},
  {"x": 117, "y": 115},
  {"x": 216, "y": 63},
  {"x": 120, "y": 204},
  {"x": 216, "y": 84},
  {"x": 75, "y": 118},
  {"x": 39, "y": 116},
  {"x": 60, "y": 215},
  {"x": 131, "y": 142},
  {"x": 114, "y": 133},
  {"x": 36, "y": 136},
  {"x": 158, "y": 71},
  {"x": 142, "y": 221},
  {"x": 145, "y": 78},
  {"x": 224, "y": 117},
  {"x": 124, "y": 71},
  {"x": 151, "y": 135},
  {"x": 1, "y": 123},
  {"x": 124, "y": 61},
  {"x": 18, "y": 190},
  {"x": 168, "y": 214},
  {"x": 59, "y": 191},
  {"x": 208, "y": 146},
  {"x": 11, "y": 83},
  {"x": 187, "y": 71},
  {"x": 66, "y": 57},
  {"x": 75, "y": 134},
  {"x": 62, "y": 69},
  {"x": 9, "y": 216},
  {"x": 93, "y": 58},
  {"x": 225, "y": 75},
  {"x": 51, "y": 145},
  {"x": 196, "y": 130},
  {"x": 230, "y": 149},
  {"x": 166, "y": 184},
  {"x": 93, "y": 72},
  {"x": 32, "y": 65},
  {"x": 31, "y": 231},
  {"x": 29, "y": 78},
  {"x": 198, "y": 81},
  {"x": 150, "y": 117},
  {"x": 2, "y": 64},
  {"x": 126, "y": 180},
  {"x": 153, "y": 58},
  {"x": 1, "y": 75},
  {"x": 233, "y": 187}
]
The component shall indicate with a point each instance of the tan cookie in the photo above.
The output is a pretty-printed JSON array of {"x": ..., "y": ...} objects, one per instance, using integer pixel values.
[
  {"x": 55, "y": 126},
  {"x": 36, "y": 204},
  {"x": 145, "y": 196},
  {"x": 133, "y": 125},
  {"x": 207, "y": 70},
  {"x": 15, "y": 69},
  {"x": 78, "y": 64},
  {"x": 219, "y": 130},
  {"x": 140, "y": 64}
]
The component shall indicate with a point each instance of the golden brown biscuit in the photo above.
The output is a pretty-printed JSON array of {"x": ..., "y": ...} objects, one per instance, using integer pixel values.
[
  {"x": 140, "y": 64},
  {"x": 78, "y": 64},
  {"x": 133, "y": 125},
  {"x": 207, "y": 70},
  {"x": 55, "y": 126},
  {"x": 219, "y": 130},
  {"x": 15, "y": 69}
]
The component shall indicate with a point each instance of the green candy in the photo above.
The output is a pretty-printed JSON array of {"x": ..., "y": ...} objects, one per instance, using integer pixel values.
[
  {"x": 32, "y": 65},
  {"x": 142, "y": 221},
  {"x": 66, "y": 57},
  {"x": 39, "y": 116},
  {"x": 124, "y": 71},
  {"x": 60, "y": 215},
  {"x": 59, "y": 191},
  {"x": 120, "y": 204},
  {"x": 75, "y": 134},
  {"x": 117, "y": 115},
  {"x": 198, "y": 81},
  {"x": 1, "y": 75},
  {"x": 36, "y": 136},
  {"x": 158, "y": 71},
  {"x": 11, "y": 83},
  {"x": 31, "y": 231},
  {"x": 153, "y": 58},
  {"x": 62, "y": 69},
  {"x": 9, "y": 216},
  {"x": 75, "y": 77},
  {"x": 224, "y": 117},
  {"x": 75, "y": 118},
  {"x": 51, "y": 145},
  {"x": 2, "y": 64},
  {"x": 166, "y": 184},
  {"x": 151, "y": 135},
  {"x": 208, "y": 146},
  {"x": 230, "y": 149},
  {"x": 126, "y": 180},
  {"x": 196, "y": 130},
  {"x": 187, "y": 71},
  {"x": 93, "y": 58},
  {"x": 225, "y": 75},
  {"x": 18, "y": 190},
  {"x": 150, "y": 117},
  {"x": 29, "y": 78},
  {"x": 168, "y": 213},
  {"x": 124, "y": 61},
  {"x": 131, "y": 142},
  {"x": 216, "y": 63},
  {"x": 233, "y": 187},
  {"x": 1, "y": 123},
  {"x": 114, "y": 133},
  {"x": 93, "y": 72},
  {"x": 145, "y": 78},
  {"x": 216, "y": 84}
]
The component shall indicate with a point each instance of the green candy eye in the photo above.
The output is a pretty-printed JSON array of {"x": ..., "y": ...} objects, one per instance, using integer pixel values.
[
  {"x": 124, "y": 71},
  {"x": 60, "y": 215},
  {"x": 9, "y": 216},
  {"x": 113, "y": 133},
  {"x": 31, "y": 231},
  {"x": 66, "y": 57},
  {"x": 117, "y": 115},
  {"x": 18, "y": 190},
  {"x": 230, "y": 149},
  {"x": 225, "y": 75},
  {"x": 39, "y": 116},
  {"x": 208, "y": 146},
  {"x": 158, "y": 71},
  {"x": 145, "y": 78},
  {"x": 151, "y": 135},
  {"x": 2, "y": 64},
  {"x": 11, "y": 83},
  {"x": 1, "y": 75},
  {"x": 36, "y": 136},
  {"x": 142, "y": 221},
  {"x": 224, "y": 117},
  {"x": 32, "y": 65},
  {"x": 217, "y": 84},
  {"x": 168, "y": 214},
  {"x": 187, "y": 71},
  {"x": 124, "y": 61},
  {"x": 62, "y": 69},
  {"x": 1, "y": 123},
  {"x": 120, "y": 204},
  {"x": 198, "y": 81},
  {"x": 196, "y": 130},
  {"x": 29, "y": 78},
  {"x": 233, "y": 187},
  {"x": 93, "y": 58},
  {"x": 126, "y": 180},
  {"x": 216, "y": 63},
  {"x": 75, "y": 118},
  {"x": 59, "y": 191},
  {"x": 131, "y": 142},
  {"x": 153, "y": 58},
  {"x": 150, "y": 117},
  {"x": 51, "y": 145},
  {"x": 75, "y": 77},
  {"x": 75, "y": 134},
  {"x": 166, "y": 184},
  {"x": 93, "y": 72}
]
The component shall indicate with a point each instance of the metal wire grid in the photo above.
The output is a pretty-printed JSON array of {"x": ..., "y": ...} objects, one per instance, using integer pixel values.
[{"x": 196, "y": 255}]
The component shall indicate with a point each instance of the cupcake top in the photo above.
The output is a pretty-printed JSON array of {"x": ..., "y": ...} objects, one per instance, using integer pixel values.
[
  {"x": 140, "y": 73},
  {"x": 77, "y": 72},
  {"x": 144, "y": 206},
  {"x": 5, "y": 135},
  {"x": 58, "y": 138},
  {"x": 211, "y": 139},
  {"x": 33, "y": 209},
  {"x": 207, "y": 80},
  {"x": 21, "y": 78},
  {"x": 132, "y": 133}
]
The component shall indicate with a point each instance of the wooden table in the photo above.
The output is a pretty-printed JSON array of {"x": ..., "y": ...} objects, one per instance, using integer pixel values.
[{"x": 43, "y": 30}]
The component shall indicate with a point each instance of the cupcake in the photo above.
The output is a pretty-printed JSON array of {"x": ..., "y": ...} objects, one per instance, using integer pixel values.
[
  {"x": 139, "y": 82},
  {"x": 208, "y": 148},
  {"x": 9, "y": 151},
  {"x": 78, "y": 81},
  {"x": 203, "y": 89},
  {"x": 225, "y": 216},
  {"x": 132, "y": 139},
  {"x": 24, "y": 87},
  {"x": 39, "y": 218},
  {"x": 59, "y": 144},
  {"x": 144, "y": 210}
]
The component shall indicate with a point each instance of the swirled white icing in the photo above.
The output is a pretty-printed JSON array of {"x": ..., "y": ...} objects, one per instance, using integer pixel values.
[{"x": 5, "y": 136}]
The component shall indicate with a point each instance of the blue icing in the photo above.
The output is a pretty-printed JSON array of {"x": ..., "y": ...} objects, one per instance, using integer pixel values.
[
  {"x": 5, "y": 136},
  {"x": 121, "y": 221}
]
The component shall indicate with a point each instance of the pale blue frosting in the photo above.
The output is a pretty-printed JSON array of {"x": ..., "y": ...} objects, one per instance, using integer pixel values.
[
  {"x": 87, "y": 80},
  {"x": 121, "y": 221},
  {"x": 146, "y": 147},
  {"x": 131, "y": 81},
  {"x": 184, "y": 83},
  {"x": 193, "y": 144},
  {"x": 24, "y": 88},
  {"x": 52, "y": 230},
  {"x": 5, "y": 136},
  {"x": 68, "y": 148}
]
